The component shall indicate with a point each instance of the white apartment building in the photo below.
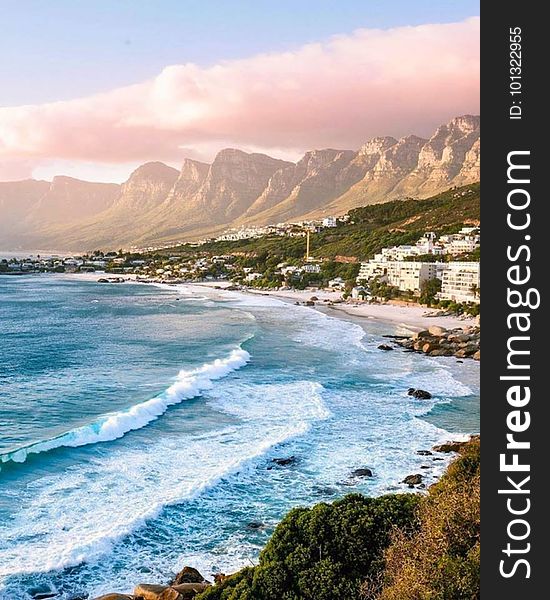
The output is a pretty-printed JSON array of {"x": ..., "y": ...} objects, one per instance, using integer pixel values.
[
  {"x": 329, "y": 222},
  {"x": 460, "y": 282},
  {"x": 311, "y": 268},
  {"x": 406, "y": 275}
]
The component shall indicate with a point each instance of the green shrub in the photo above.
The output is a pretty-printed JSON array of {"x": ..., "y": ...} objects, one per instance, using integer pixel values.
[
  {"x": 322, "y": 553},
  {"x": 440, "y": 561}
]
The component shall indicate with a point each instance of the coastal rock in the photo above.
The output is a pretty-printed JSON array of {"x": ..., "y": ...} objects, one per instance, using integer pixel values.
[
  {"x": 420, "y": 394},
  {"x": 384, "y": 347},
  {"x": 284, "y": 462},
  {"x": 220, "y": 578},
  {"x": 188, "y": 575},
  {"x": 437, "y": 331},
  {"x": 255, "y": 525},
  {"x": 420, "y": 334},
  {"x": 114, "y": 596},
  {"x": 424, "y": 452},
  {"x": 364, "y": 472},
  {"x": 477, "y": 355},
  {"x": 412, "y": 480},
  {"x": 184, "y": 591},
  {"x": 149, "y": 591},
  {"x": 428, "y": 347},
  {"x": 449, "y": 447}
]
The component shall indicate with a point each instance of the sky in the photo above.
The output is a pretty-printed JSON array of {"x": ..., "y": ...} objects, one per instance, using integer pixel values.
[{"x": 93, "y": 88}]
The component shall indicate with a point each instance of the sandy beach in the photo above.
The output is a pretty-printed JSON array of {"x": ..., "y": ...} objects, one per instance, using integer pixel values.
[{"x": 408, "y": 317}]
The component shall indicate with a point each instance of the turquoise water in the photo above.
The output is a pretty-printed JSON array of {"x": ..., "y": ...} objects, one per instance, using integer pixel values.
[{"x": 138, "y": 426}]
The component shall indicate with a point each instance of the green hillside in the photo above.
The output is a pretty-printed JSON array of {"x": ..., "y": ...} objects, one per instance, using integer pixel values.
[{"x": 369, "y": 229}]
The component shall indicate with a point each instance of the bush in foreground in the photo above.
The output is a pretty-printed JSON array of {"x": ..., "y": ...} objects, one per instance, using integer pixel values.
[
  {"x": 395, "y": 547},
  {"x": 322, "y": 553},
  {"x": 440, "y": 561}
]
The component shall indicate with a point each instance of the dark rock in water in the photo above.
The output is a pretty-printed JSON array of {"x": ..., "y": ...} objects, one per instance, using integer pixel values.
[
  {"x": 412, "y": 480},
  {"x": 362, "y": 473},
  {"x": 460, "y": 361},
  {"x": 424, "y": 466},
  {"x": 309, "y": 303},
  {"x": 324, "y": 491},
  {"x": 41, "y": 592},
  {"x": 103, "y": 280},
  {"x": 420, "y": 394},
  {"x": 188, "y": 575},
  {"x": 422, "y": 485},
  {"x": 284, "y": 462},
  {"x": 436, "y": 458},
  {"x": 384, "y": 347},
  {"x": 255, "y": 525},
  {"x": 424, "y": 452}
]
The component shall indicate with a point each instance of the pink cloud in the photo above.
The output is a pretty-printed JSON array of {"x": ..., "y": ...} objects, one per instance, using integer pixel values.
[{"x": 338, "y": 93}]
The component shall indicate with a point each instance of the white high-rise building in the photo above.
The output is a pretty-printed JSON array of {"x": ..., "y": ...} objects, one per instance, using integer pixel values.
[{"x": 460, "y": 282}]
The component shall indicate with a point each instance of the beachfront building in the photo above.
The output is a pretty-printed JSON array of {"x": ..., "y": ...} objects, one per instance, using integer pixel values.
[
  {"x": 460, "y": 282},
  {"x": 359, "y": 292},
  {"x": 403, "y": 274},
  {"x": 337, "y": 283}
]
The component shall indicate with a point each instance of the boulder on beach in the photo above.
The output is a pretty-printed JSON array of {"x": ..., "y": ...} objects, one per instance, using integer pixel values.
[
  {"x": 412, "y": 480},
  {"x": 436, "y": 330},
  {"x": 420, "y": 394},
  {"x": 188, "y": 575},
  {"x": 384, "y": 347},
  {"x": 477, "y": 355},
  {"x": 114, "y": 596},
  {"x": 418, "y": 335},
  {"x": 429, "y": 347}
]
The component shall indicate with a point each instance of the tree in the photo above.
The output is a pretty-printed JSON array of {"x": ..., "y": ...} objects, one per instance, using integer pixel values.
[
  {"x": 474, "y": 288},
  {"x": 429, "y": 289}
]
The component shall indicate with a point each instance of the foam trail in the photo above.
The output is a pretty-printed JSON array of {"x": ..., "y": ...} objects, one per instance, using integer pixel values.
[{"x": 106, "y": 428}]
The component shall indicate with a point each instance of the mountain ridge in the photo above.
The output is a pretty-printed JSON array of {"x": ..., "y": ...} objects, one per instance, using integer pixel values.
[{"x": 158, "y": 203}]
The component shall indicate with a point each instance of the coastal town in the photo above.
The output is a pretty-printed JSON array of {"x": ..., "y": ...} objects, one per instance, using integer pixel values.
[{"x": 432, "y": 269}]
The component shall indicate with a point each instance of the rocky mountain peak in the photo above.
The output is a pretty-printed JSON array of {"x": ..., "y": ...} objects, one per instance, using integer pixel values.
[{"x": 376, "y": 146}]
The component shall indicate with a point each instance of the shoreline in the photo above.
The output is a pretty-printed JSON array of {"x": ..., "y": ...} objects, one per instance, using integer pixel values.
[{"x": 409, "y": 318}]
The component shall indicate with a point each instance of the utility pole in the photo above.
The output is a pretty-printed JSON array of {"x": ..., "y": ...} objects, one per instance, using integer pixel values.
[{"x": 307, "y": 245}]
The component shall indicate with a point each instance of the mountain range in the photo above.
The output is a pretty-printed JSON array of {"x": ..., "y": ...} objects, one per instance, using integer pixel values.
[{"x": 161, "y": 204}]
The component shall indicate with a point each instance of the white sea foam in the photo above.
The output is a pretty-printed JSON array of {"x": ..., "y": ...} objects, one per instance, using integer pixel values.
[
  {"x": 109, "y": 427},
  {"x": 77, "y": 516}
]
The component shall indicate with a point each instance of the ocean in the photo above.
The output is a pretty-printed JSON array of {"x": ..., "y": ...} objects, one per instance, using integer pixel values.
[{"x": 139, "y": 423}]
